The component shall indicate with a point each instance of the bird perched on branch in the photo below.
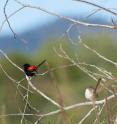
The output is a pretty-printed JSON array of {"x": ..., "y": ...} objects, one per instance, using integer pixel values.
[
  {"x": 31, "y": 70},
  {"x": 91, "y": 92}
]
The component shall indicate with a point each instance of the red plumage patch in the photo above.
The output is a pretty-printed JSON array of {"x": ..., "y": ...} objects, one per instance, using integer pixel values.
[{"x": 32, "y": 68}]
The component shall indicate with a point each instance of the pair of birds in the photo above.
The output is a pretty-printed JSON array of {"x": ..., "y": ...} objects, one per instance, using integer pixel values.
[{"x": 32, "y": 70}]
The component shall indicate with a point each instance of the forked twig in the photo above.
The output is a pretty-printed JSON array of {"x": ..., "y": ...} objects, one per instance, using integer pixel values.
[
  {"x": 64, "y": 17},
  {"x": 98, "y": 6},
  {"x": 7, "y": 19}
]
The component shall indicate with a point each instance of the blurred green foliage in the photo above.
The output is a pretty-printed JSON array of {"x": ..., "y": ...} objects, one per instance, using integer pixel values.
[{"x": 71, "y": 81}]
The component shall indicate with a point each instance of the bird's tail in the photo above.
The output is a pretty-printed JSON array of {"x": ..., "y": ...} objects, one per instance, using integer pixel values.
[
  {"x": 98, "y": 83},
  {"x": 41, "y": 63}
]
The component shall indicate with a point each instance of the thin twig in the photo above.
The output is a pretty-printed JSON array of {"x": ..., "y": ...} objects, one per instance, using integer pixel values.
[
  {"x": 99, "y": 113},
  {"x": 12, "y": 14},
  {"x": 97, "y": 53},
  {"x": 65, "y": 108},
  {"x": 98, "y": 6},
  {"x": 64, "y": 17},
  {"x": 65, "y": 56},
  {"x": 13, "y": 80},
  {"x": 5, "y": 55},
  {"x": 26, "y": 104},
  {"x": 86, "y": 116},
  {"x": 18, "y": 84},
  {"x": 41, "y": 93},
  {"x": 33, "y": 87},
  {"x": 108, "y": 111},
  {"x": 7, "y": 19}
]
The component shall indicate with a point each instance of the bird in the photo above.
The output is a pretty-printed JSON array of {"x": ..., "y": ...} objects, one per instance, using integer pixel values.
[
  {"x": 31, "y": 70},
  {"x": 89, "y": 95},
  {"x": 91, "y": 92}
]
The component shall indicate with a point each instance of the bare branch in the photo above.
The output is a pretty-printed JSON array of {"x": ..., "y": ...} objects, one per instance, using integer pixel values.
[
  {"x": 98, "y": 6},
  {"x": 26, "y": 104},
  {"x": 12, "y": 14},
  {"x": 5, "y": 55},
  {"x": 41, "y": 93},
  {"x": 32, "y": 86},
  {"x": 64, "y": 17},
  {"x": 87, "y": 115},
  {"x": 93, "y": 71},
  {"x": 13, "y": 80},
  {"x": 65, "y": 56},
  {"x": 65, "y": 108},
  {"x": 7, "y": 19},
  {"x": 98, "y": 54}
]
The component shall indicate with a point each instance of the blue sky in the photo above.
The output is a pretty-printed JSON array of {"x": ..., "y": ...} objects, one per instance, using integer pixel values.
[{"x": 30, "y": 18}]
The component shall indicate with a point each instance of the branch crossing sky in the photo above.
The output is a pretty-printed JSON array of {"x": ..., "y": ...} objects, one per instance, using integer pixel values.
[{"x": 30, "y": 18}]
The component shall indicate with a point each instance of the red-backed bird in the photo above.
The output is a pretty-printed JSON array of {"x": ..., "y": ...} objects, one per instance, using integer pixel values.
[{"x": 31, "y": 70}]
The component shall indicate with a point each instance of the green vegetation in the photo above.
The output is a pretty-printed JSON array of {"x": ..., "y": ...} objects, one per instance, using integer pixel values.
[{"x": 71, "y": 81}]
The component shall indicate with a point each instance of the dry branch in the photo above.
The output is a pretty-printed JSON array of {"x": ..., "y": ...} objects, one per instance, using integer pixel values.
[
  {"x": 98, "y": 6},
  {"x": 64, "y": 17}
]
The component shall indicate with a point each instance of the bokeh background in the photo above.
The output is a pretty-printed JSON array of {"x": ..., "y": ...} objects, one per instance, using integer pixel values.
[{"x": 43, "y": 32}]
